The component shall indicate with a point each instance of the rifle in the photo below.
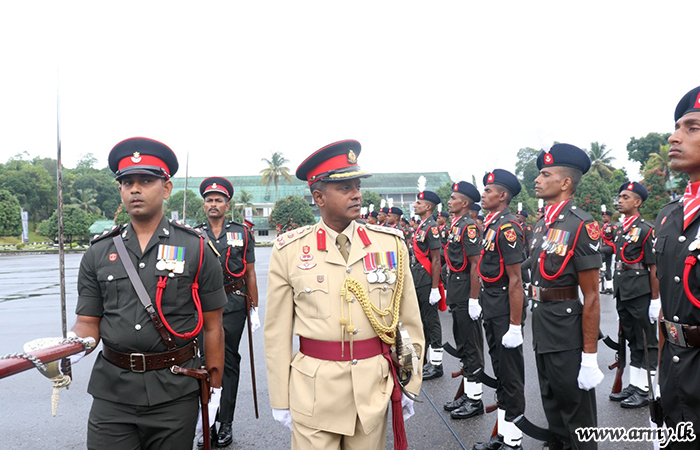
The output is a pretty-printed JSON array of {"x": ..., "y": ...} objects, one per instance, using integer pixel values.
[{"x": 620, "y": 361}]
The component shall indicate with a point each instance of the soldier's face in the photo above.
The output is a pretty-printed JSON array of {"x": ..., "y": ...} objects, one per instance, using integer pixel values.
[
  {"x": 457, "y": 203},
  {"x": 684, "y": 152},
  {"x": 492, "y": 197},
  {"x": 549, "y": 184},
  {"x": 628, "y": 202},
  {"x": 371, "y": 220},
  {"x": 216, "y": 205},
  {"x": 441, "y": 220},
  {"x": 392, "y": 219},
  {"x": 143, "y": 195},
  {"x": 342, "y": 200},
  {"x": 606, "y": 218},
  {"x": 421, "y": 207},
  {"x": 381, "y": 217}
]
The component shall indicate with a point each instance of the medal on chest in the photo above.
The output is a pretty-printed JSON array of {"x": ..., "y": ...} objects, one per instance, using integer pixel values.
[
  {"x": 488, "y": 241},
  {"x": 556, "y": 241},
  {"x": 171, "y": 258},
  {"x": 633, "y": 234},
  {"x": 380, "y": 267},
  {"x": 234, "y": 239}
]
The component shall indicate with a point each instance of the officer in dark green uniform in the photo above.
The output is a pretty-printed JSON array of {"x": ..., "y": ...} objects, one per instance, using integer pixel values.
[
  {"x": 677, "y": 249},
  {"x": 139, "y": 402},
  {"x": 425, "y": 267},
  {"x": 522, "y": 215},
  {"x": 502, "y": 302},
  {"x": 564, "y": 329},
  {"x": 636, "y": 287},
  {"x": 462, "y": 256},
  {"x": 236, "y": 247},
  {"x": 474, "y": 212}
]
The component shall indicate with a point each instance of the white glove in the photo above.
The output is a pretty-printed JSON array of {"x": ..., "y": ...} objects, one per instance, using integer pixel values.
[
  {"x": 406, "y": 407},
  {"x": 654, "y": 309},
  {"x": 513, "y": 337},
  {"x": 78, "y": 356},
  {"x": 474, "y": 308},
  {"x": 434, "y": 296},
  {"x": 254, "y": 319},
  {"x": 589, "y": 376},
  {"x": 212, "y": 407},
  {"x": 283, "y": 417}
]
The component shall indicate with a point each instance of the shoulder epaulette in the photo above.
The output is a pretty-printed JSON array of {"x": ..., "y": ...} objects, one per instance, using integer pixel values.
[
  {"x": 381, "y": 229},
  {"x": 291, "y": 236},
  {"x": 111, "y": 233},
  {"x": 505, "y": 226},
  {"x": 581, "y": 214},
  {"x": 186, "y": 228}
]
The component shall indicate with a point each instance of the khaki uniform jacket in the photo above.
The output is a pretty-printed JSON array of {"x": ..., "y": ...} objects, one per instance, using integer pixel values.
[{"x": 303, "y": 298}]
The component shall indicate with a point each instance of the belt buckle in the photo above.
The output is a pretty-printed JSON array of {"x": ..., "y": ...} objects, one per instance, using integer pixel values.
[
  {"x": 674, "y": 333},
  {"x": 132, "y": 362},
  {"x": 536, "y": 293}
]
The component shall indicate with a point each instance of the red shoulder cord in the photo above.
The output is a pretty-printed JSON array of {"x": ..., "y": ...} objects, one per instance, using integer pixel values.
[
  {"x": 569, "y": 254},
  {"x": 641, "y": 254},
  {"x": 464, "y": 254},
  {"x": 690, "y": 261},
  {"x": 228, "y": 255},
  {"x": 500, "y": 261},
  {"x": 195, "y": 297}
]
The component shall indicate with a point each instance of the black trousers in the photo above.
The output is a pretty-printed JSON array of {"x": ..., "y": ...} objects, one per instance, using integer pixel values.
[
  {"x": 432, "y": 329},
  {"x": 565, "y": 405},
  {"x": 127, "y": 427},
  {"x": 468, "y": 334},
  {"x": 634, "y": 318},
  {"x": 508, "y": 367},
  {"x": 234, "y": 323},
  {"x": 607, "y": 253}
]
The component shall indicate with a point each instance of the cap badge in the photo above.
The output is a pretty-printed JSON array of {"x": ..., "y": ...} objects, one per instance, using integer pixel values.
[
  {"x": 455, "y": 187},
  {"x": 352, "y": 158},
  {"x": 489, "y": 179},
  {"x": 420, "y": 196},
  {"x": 548, "y": 158},
  {"x": 630, "y": 187},
  {"x": 697, "y": 101},
  {"x": 136, "y": 158},
  {"x": 213, "y": 186}
]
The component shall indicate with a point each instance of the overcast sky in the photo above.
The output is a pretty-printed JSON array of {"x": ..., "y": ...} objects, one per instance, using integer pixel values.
[{"x": 454, "y": 86}]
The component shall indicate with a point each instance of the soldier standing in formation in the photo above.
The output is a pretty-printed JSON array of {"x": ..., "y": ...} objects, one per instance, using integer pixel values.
[
  {"x": 236, "y": 247},
  {"x": 462, "y": 256},
  {"x": 637, "y": 293},
  {"x": 527, "y": 235},
  {"x": 607, "y": 248},
  {"x": 342, "y": 287},
  {"x": 502, "y": 303},
  {"x": 677, "y": 248},
  {"x": 382, "y": 216},
  {"x": 372, "y": 218},
  {"x": 393, "y": 217},
  {"x": 426, "y": 269},
  {"x": 139, "y": 400},
  {"x": 565, "y": 330}
]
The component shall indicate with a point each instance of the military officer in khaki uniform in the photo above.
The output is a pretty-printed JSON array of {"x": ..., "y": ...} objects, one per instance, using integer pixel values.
[{"x": 342, "y": 287}]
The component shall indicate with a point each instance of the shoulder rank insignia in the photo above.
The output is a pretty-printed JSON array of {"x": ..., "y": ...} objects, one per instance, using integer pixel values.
[
  {"x": 381, "y": 229},
  {"x": 510, "y": 235},
  {"x": 284, "y": 239},
  {"x": 593, "y": 231}
]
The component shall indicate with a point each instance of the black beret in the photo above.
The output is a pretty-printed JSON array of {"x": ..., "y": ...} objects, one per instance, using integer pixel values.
[
  {"x": 480, "y": 217},
  {"x": 334, "y": 162},
  {"x": 607, "y": 213},
  {"x": 385, "y": 210},
  {"x": 636, "y": 188},
  {"x": 475, "y": 207},
  {"x": 142, "y": 156},
  {"x": 565, "y": 155},
  {"x": 429, "y": 196},
  {"x": 444, "y": 214},
  {"x": 522, "y": 213},
  {"x": 395, "y": 210},
  {"x": 373, "y": 214},
  {"x": 216, "y": 184},
  {"x": 404, "y": 220},
  {"x": 505, "y": 179},
  {"x": 689, "y": 103},
  {"x": 467, "y": 189}
]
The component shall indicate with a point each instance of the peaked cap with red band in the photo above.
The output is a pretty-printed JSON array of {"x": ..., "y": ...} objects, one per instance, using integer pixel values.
[
  {"x": 216, "y": 184},
  {"x": 635, "y": 187},
  {"x": 503, "y": 178},
  {"x": 565, "y": 155},
  {"x": 142, "y": 156},
  {"x": 334, "y": 162},
  {"x": 429, "y": 196},
  {"x": 468, "y": 189},
  {"x": 689, "y": 103}
]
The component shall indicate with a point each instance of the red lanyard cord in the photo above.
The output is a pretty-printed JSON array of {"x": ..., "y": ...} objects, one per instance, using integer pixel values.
[
  {"x": 162, "y": 281},
  {"x": 690, "y": 261},
  {"x": 569, "y": 254},
  {"x": 500, "y": 262},
  {"x": 465, "y": 262},
  {"x": 228, "y": 255},
  {"x": 641, "y": 254}
]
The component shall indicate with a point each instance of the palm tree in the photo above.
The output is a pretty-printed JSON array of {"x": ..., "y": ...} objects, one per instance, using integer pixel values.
[
  {"x": 242, "y": 201},
  {"x": 85, "y": 199},
  {"x": 660, "y": 161},
  {"x": 275, "y": 171},
  {"x": 600, "y": 160}
]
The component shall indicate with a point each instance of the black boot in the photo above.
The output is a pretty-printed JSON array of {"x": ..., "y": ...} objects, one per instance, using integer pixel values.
[
  {"x": 454, "y": 404},
  {"x": 431, "y": 371},
  {"x": 623, "y": 394},
  {"x": 225, "y": 436},
  {"x": 469, "y": 409},
  {"x": 639, "y": 399},
  {"x": 212, "y": 438},
  {"x": 494, "y": 443}
]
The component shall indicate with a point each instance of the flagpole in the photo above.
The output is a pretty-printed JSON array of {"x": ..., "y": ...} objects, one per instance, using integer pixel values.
[{"x": 184, "y": 199}]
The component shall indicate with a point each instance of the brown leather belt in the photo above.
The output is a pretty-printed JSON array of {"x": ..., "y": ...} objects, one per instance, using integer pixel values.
[
  {"x": 337, "y": 351},
  {"x": 619, "y": 265},
  {"x": 236, "y": 285},
  {"x": 680, "y": 334},
  {"x": 141, "y": 362},
  {"x": 554, "y": 294}
]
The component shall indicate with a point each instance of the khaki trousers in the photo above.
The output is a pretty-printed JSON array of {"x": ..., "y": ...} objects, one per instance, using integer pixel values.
[{"x": 305, "y": 438}]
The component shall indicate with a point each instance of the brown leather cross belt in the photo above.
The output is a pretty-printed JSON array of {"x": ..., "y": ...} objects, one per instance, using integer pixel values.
[
  {"x": 636, "y": 266},
  {"x": 554, "y": 294},
  {"x": 680, "y": 334},
  {"x": 141, "y": 362},
  {"x": 236, "y": 285},
  {"x": 335, "y": 351}
]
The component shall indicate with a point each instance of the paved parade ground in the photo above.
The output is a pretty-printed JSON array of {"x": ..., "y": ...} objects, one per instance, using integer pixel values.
[{"x": 30, "y": 308}]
